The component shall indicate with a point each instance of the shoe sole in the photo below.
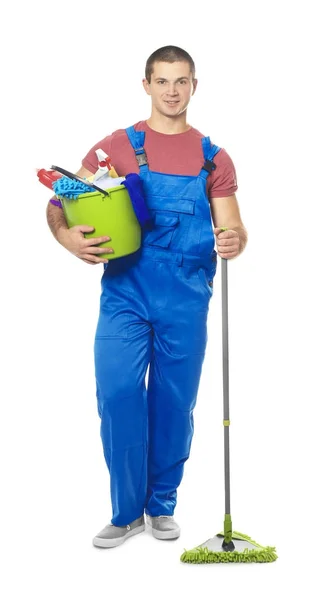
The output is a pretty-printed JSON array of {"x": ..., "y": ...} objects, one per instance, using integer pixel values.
[{"x": 112, "y": 543}]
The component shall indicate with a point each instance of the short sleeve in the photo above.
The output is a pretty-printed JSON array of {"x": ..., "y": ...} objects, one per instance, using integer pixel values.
[
  {"x": 90, "y": 160},
  {"x": 224, "y": 180}
]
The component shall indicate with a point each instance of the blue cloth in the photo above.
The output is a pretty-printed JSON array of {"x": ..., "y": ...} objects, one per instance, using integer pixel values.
[
  {"x": 153, "y": 312},
  {"x": 133, "y": 183}
]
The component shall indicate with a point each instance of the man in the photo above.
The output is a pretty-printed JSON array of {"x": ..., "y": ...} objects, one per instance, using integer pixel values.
[{"x": 154, "y": 303}]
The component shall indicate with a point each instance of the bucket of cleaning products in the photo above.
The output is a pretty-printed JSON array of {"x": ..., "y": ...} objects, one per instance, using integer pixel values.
[
  {"x": 118, "y": 212},
  {"x": 111, "y": 215},
  {"x": 116, "y": 207}
]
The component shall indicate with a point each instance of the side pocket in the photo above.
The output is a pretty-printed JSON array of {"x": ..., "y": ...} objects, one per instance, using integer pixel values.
[{"x": 205, "y": 282}]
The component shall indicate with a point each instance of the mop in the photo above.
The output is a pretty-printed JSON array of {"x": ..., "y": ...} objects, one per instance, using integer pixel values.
[{"x": 228, "y": 545}]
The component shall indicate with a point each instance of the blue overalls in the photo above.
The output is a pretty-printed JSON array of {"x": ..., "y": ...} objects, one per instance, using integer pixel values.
[{"x": 154, "y": 312}]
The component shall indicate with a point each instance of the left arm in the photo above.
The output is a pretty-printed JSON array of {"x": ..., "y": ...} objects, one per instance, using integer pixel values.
[{"x": 226, "y": 213}]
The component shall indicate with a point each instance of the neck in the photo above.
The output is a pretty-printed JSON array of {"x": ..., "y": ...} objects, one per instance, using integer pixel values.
[{"x": 164, "y": 124}]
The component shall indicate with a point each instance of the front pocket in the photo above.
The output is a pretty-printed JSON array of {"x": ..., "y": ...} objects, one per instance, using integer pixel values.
[{"x": 162, "y": 233}]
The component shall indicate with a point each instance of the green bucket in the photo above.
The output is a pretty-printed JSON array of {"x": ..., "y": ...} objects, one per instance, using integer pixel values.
[{"x": 111, "y": 215}]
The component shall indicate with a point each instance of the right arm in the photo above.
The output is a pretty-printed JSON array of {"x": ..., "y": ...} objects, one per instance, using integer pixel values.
[{"x": 73, "y": 238}]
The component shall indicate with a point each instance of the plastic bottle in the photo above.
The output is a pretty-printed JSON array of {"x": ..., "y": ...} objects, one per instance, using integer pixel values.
[
  {"x": 104, "y": 164},
  {"x": 48, "y": 177}
]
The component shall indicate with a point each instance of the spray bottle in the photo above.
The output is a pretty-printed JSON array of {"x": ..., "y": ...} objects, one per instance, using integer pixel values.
[{"x": 105, "y": 166}]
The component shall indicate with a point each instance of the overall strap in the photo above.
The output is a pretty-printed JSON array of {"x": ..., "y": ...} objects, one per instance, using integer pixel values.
[
  {"x": 209, "y": 153},
  {"x": 136, "y": 139}
]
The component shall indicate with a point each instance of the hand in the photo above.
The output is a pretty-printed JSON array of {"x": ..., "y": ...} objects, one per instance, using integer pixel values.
[
  {"x": 74, "y": 241},
  {"x": 227, "y": 242}
]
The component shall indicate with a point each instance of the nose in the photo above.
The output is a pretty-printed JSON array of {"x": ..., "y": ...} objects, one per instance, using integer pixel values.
[{"x": 171, "y": 89}]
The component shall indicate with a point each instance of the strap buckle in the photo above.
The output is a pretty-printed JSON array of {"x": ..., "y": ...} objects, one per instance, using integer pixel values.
[
  {"x": 209, "y": 166},
  {"x": 141, "y": 156}
]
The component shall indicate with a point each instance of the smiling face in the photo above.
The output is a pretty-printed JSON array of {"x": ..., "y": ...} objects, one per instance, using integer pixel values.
[{"x": 170, "y": 88}]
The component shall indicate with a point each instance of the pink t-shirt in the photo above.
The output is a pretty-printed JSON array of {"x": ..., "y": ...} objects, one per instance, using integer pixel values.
[{"x": 178, "y": 153}]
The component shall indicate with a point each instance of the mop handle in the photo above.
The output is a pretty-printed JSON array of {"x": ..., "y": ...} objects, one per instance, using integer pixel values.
[{"x": 225, "y": 374}]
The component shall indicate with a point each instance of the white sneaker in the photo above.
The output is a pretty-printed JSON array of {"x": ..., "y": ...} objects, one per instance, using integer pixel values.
[{"x": 111, "y": 535}]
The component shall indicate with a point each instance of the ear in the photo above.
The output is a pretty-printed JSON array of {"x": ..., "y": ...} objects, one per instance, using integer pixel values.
[
  {"x": 146, "y": 86},
  {"x": 195, "y": 83}
]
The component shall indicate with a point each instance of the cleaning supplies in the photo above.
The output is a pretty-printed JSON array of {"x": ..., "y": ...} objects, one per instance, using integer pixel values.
[
  {"x": 104, "y": 164},
  {"x": 112, "y": 172},
  {"x": 69, "y": 188},
  {"x": 48, "y": 177},
  {"x": 80, "y": 179},
  {"x": 106, "y": 182},
  {"x": 134, "y": 185}
]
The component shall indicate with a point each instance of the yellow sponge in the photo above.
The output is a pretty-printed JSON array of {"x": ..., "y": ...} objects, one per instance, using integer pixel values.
[{"x": 112, "y": 172}]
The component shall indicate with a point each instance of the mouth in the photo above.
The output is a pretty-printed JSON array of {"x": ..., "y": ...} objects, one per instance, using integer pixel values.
[{"x": 171, "y": 103}]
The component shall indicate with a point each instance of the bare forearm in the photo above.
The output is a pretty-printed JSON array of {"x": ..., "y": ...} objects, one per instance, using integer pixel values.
[{"x": 56, "y": 219}]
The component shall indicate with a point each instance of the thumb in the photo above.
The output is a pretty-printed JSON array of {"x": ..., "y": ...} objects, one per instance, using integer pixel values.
[
  {"x": 218, "y": 230},
  {"x": 84, "y": 228}
]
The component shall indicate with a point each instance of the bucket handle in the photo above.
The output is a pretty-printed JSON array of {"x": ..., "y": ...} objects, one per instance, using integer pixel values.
[{"x": 76, "y": 178}]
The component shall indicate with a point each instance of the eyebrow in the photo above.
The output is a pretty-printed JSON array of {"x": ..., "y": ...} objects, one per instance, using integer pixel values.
[{"x": 163, "y": 79}]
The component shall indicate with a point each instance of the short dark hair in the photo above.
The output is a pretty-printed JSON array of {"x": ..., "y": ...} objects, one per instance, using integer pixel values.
[{"x": 169, "y": 54}]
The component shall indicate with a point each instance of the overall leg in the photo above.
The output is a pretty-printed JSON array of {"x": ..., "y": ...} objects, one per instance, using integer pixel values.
[
  {"x": 180, "y": 338},
  {"x": 123, "y": 346}
]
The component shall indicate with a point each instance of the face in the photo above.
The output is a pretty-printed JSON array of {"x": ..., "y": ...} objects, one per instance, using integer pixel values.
[{"x": 171, "y": 87}]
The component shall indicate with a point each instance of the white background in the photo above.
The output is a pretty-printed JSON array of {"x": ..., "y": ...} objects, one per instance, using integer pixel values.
[{"x": 265, "y": 95}]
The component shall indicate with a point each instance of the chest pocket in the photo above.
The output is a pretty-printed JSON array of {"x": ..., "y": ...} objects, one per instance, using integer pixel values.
[{"x": 162, "y": 233}]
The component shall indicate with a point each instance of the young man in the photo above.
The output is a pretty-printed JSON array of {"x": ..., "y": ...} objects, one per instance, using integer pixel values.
[{"x": 154, "y": 304}]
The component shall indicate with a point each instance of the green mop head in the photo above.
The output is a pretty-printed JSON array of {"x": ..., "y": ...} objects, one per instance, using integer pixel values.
[{"x": 240, "y": 548}]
